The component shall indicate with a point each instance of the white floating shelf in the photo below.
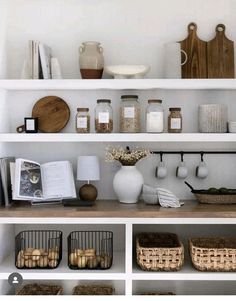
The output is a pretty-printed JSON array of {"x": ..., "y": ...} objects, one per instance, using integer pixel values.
[
  {"x": 142, "y": 137},
  {"x": 122, "y": 84},
  {"x": 116, "y": 272}
]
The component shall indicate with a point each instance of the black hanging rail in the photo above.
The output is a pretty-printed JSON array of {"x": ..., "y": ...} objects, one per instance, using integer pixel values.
[
  {"x": 193, "y": 152},
  {"x": 182, "y": 153}
]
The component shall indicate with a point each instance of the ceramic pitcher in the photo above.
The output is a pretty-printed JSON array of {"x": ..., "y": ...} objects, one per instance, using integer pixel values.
[
  {"x": 91, "y": 60},
  {"x": 173, "y": 61}
]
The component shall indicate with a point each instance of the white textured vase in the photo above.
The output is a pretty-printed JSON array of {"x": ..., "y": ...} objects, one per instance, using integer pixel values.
[
  {"x": 213, "y": 118},
  {"x": 127, "y": 184}
]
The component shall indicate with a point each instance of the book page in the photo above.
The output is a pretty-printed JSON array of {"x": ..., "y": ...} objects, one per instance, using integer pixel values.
[
  {"x": 28, "y": 181},
  {"x": 58, "y": 180}
]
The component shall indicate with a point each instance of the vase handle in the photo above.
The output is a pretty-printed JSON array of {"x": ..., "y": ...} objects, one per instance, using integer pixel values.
[
  {"x": 81, "y": 49},
  {"x": 100, "y": 49}
]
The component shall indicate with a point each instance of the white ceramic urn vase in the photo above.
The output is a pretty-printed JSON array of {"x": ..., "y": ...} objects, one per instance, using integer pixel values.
[{"x": 127, "y": 184}]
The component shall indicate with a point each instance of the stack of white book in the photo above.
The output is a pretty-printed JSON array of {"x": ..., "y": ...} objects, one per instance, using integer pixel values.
[{"x": 39, "y": 63}]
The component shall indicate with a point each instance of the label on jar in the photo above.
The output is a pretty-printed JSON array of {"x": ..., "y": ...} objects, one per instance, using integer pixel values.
[
  {"x": 82, "y": 123},
  {"x": 175, "y": 123},
  {"x": 129, "y": 112},
  {"x": 155, "y": 122},
  {"x": 103, "y": 117}
]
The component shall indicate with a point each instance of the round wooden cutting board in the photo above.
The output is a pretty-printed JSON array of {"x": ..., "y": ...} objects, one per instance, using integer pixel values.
[{"x": 53, "y": 114}]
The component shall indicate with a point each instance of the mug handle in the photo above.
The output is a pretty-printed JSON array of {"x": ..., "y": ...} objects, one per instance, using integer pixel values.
[
  {"x": 100, "y": 49},
  {"x": 186, "y": 57}
]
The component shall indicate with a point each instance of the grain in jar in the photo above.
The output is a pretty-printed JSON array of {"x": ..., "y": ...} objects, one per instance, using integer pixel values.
[
  {"x": 175, "y": 121},
  {"x": 130, "y": 114},
  {"x": 82, "y": 121},
  {"x": 154, "y": 116},
  {"x": 103, "y": 116}
]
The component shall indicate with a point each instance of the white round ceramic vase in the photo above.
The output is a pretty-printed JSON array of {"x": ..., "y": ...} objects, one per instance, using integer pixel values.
[{"x": 127, "y": 184}]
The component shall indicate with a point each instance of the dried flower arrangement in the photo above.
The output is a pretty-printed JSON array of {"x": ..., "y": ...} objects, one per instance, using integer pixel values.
[{"x": 126, "y": 156}]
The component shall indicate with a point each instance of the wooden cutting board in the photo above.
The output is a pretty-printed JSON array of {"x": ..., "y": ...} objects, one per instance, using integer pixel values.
[
  {"x": 196, "y": 49},
  {"x": 53, "y": 114},
  {"x": 220, "y": 55}
]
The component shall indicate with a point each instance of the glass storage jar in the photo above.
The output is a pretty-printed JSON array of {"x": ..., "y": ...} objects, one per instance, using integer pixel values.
[
  {"x": 130, "y": 114},
  {"x": 154, "y": 116},
  {"x": 175, "y": 121},
  {"x": 103, "y": 116},
  {"x": 82, "y": 120}
]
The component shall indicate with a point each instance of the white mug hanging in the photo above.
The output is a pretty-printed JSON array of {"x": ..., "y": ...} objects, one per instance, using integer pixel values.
[
  {"x": 182, "y": 170},
  {"x": 173, "y": 60},
  {"x": 202, "y": 170},
  {"x": 161, "y": 170}
]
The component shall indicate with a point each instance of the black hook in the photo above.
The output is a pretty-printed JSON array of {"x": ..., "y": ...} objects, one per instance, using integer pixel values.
[
  {"x": 202, "y": 154},
  {"x": 161, "y": 156},
  {"x": 182, "y": 156}
]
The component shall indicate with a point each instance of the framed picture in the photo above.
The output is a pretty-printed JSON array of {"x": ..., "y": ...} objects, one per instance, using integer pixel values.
[{"x": 31, "y": 125}]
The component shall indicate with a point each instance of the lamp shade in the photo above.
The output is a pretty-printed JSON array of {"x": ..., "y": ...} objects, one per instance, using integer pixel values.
[{"x": 88, "y": 168}]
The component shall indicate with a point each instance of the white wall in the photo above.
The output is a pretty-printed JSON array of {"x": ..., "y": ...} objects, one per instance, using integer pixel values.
[
  {"x": 3, "y": 42},
  {"x": 7, "y": 237},
  {"x": 132, "y": 31},
  {"x": 5, "y": 288}
]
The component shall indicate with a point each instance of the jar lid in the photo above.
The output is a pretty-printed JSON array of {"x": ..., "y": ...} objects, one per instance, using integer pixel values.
[
  {"x": 174, "y": 109},
  {"x": 154, "y": 101},
  {"x": 129, "y": 97},
  {"x": 82, "y": 109},
  {"x": 103, "y": 100}
]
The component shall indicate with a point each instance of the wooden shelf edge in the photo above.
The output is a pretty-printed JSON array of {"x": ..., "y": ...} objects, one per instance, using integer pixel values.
[{"x": 114, "y": 209}]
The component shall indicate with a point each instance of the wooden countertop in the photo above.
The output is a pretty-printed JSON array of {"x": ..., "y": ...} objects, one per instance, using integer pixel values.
[{"x": 113, "y": 209}]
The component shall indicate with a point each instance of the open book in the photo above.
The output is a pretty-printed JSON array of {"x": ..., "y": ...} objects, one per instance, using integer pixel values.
[{"x": 32, "y": 181}]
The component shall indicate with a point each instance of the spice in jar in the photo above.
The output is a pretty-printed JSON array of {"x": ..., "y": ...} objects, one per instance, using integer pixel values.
[
  {"x": 175, "y": 121},
  {"x": 154, "y": 116},
  {"x": 130, "y": 114},
  {"x": 103, "y": 116},
  {"x": 82, "y": 122}
]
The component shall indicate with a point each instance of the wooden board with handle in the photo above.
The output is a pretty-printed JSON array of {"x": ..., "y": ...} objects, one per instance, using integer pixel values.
[
  {"x": 196, "y": 49},
  {"x": 53, "y": 114},
  {"x": 220, "y": 55}
]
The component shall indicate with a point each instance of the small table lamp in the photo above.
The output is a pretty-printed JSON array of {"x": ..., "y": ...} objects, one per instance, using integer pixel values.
[{"x": 88, "y": 169}]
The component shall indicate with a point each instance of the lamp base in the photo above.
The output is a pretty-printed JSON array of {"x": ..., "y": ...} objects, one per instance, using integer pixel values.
[{"x": 88, "y": 192}]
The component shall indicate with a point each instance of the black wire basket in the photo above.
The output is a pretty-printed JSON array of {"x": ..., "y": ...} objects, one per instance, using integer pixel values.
[
  {"x": 38, "y": 249},
  {"x": 90, "y": 250}
]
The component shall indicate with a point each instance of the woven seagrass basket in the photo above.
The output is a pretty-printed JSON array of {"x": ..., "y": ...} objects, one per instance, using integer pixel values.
[
  {"x": 216, "y": 198},
  {"x": 215, "y": 254},
  {"x": 158, "y": 294},
  {"x": 159, "y": 252},
  {"x": 40, "y": 289},
  {"x": 93, "y": 290}
]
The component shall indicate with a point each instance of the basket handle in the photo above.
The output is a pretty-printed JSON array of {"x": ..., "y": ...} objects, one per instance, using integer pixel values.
[{"x": 192, "y": 189}]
